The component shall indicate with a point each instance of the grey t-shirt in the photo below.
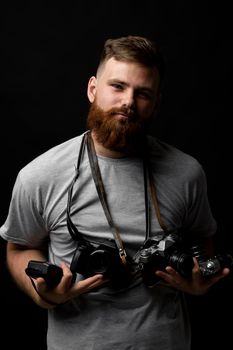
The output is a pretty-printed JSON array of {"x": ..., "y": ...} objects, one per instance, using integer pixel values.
[{"x": 131, "y": 318}]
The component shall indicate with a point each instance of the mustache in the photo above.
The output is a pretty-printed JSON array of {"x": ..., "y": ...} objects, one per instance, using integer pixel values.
[{"x": 128, "y": 112}]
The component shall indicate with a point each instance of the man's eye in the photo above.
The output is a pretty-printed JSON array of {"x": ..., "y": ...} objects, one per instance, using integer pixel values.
[
  {"x": 117, "y": 86},
  {"x": 145, "y": 95}
]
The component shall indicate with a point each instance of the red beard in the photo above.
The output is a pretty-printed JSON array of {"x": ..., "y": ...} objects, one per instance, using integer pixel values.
[{"x": 121, "y": 135}]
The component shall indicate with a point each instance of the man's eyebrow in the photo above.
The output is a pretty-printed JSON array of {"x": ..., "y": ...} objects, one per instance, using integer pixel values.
[
  {"x": 112, "y": 80},
  {"x": 139, "y": 88}
]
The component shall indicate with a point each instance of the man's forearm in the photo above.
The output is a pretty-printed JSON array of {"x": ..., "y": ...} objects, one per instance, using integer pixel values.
[{"x": 17, "y": 261}]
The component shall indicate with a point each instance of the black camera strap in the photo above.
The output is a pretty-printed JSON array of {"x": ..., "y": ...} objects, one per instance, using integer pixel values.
[
  {"x": 71, "y": 227},
  {"x": 149, "y": 190}
]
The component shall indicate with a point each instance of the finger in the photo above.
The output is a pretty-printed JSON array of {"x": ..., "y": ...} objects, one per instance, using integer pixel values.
[
  {"x": 68, "y": 276},
  {"x": 226, "y": 271},
  {"x": 196, "y": 267},
  {"x": 175, "y": 278},
  {"x": 90, "y": 283},
  {"x": 169, "y": 275},
  {"x": 171, "y": 271}
]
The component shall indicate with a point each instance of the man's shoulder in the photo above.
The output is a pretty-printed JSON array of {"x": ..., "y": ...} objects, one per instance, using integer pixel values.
[
  {"x": 51, "y": 162},
  {"x": 171, "y": 157}
]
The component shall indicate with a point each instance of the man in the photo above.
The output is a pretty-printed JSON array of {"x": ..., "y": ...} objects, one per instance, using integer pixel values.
[{"x": 92, "y": 202}]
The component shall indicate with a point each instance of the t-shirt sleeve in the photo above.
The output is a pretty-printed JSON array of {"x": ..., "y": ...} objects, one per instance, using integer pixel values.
[
  {"x": 199, "y": 220},
  {"x": 24, "y": 223}
]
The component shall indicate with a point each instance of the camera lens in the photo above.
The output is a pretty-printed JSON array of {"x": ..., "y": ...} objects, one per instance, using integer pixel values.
[
  {"x": 100, "y": 261},
  {"x": 182, "y": 263}
]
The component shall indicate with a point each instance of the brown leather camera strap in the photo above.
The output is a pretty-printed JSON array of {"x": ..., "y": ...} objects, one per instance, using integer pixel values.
[
  {"x": 155, "y": 201},
  {"x": 102, "y": 196}
]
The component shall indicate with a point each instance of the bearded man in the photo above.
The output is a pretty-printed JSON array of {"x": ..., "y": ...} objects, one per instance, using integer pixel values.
[{"x": 107, "y": 207}]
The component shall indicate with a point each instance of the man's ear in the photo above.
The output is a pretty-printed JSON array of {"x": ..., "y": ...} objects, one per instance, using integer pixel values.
[{"x": 91, "y": 89}]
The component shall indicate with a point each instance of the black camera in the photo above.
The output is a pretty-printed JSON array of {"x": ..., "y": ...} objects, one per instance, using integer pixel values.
[
  {"x": 89, "y": 260},
  {"x": 211, "y": 265},
  {"x": 51, "y": 273},
  {"x": 157, "y": 254}
]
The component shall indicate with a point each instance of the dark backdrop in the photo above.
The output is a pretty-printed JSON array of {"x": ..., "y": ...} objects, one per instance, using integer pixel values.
[{"x": 49, "y": 51}]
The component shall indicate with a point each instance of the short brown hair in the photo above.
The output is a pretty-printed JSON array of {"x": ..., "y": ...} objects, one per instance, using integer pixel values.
[{"x": 135, "y": 49}]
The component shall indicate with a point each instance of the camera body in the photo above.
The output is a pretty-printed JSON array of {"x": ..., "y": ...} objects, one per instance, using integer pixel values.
[
  {"x": 157, "y": 254},
  {"x": 213, "y": 265},
  {"x": 210, "y": 265},
  {"x": 90, "y": 259},
  {"x": 51, "y": 273}
]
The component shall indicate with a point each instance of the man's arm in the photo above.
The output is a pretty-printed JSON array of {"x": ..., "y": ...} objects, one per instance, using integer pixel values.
[
  {"x": 18, "y": 257},
  {"x": 17, "y": 260}
]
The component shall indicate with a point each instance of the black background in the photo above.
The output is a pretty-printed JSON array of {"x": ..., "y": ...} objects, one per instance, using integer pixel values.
[{"x": 49, "y": 51}]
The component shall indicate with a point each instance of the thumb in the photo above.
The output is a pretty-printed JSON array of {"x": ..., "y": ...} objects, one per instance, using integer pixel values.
[{"x": 41, "y": 284}]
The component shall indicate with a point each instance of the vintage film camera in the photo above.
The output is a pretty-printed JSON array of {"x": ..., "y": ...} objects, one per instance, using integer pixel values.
[
  {"x": 157, "y": 254},
  {"x": 211, "y": 266}
]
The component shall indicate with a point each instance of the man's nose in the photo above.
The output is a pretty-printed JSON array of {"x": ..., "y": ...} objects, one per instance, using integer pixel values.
[{"x": 128, "y": 98}]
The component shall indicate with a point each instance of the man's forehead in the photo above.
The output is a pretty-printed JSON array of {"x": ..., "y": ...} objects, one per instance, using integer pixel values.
[{"x": 123, "y": 70}]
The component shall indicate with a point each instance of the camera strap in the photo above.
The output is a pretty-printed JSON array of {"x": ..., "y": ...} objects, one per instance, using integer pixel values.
[
  {"x": 102, "y": 196},
  {"x": 154, "y": 199},
  {"x": 149, "y": 190},
  {"x": 70, "y": 225}
]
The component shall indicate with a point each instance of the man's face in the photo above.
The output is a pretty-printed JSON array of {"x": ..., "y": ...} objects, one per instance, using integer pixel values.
[{"x": 124, "y": 97}]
